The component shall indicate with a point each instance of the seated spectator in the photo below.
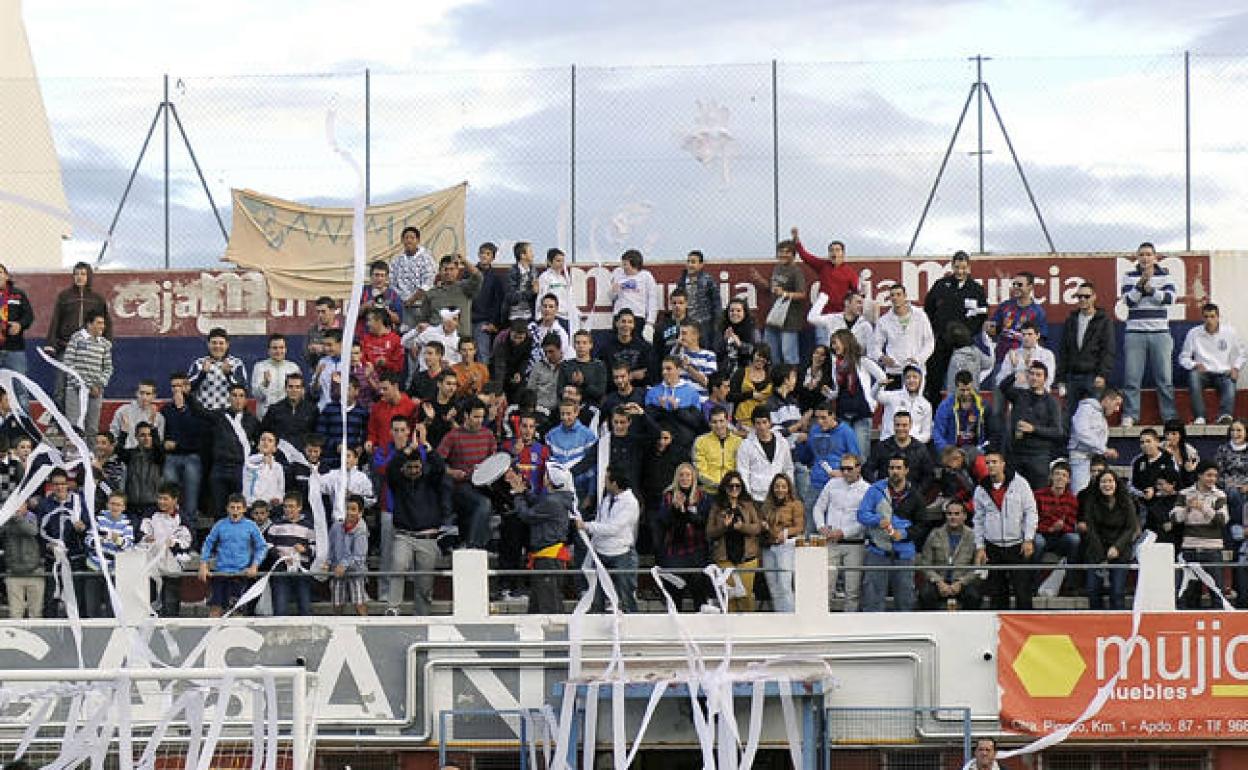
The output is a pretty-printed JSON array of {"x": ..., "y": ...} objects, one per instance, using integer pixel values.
[
  {"x": 949, "y": 553},
  {"x": 733, "y": 526},
  {"x": 264, "y": 478},
  {"x": 1148, "y": 464},
  {"x": 1005, "y": 531},
  {"x": 1186, "y": 458},
  {"x": 825, "y": 445},
  {"x": 544, "y": 373},
  {"x": 513, "y": 354},
  {"x": 23, "y": 560},
  {"x": 1232, "y": 462},
  {"x": 835, "y": 516},
  {"x": 696, "y": 362},
  {"x": 547, "y": 324},
  {"x": 628, "y": 347},
  {"x": 424, "y": 381},
  {"x": 1157, "y": 509},
  {"x": 348, "y": 559},
  {"x": 717, "y": 389},
  {"x": 1112, "y": 524},
  {"x": 471, "y": 373},
  {"x": 584, "y": 370},
  {"x": 680, "y": 524},
  {"x": 365, "y": 376},
  {"x": 715, "y": 452},
  {"x": 814, "y": 379},
  {"x": 738, "y": 339},
  {"x": 231, "y": 555},
  {"x": 113, "y": 534},
  {"x": 1203, "y": 512},
  {"x": 966, "y": 357},
  {"x": 675, "y": 406},
  {"x": 1057, "y": 510},
  {"x": 886, "y": 511},
  {"x": 751, "y": 384},
  {"x": 141, "y": 409},
  {"x": 960, "y": 418},
  {"x": 918, "y": 458},
  {"x": 1018, "y": 361},
  {"x": 1213, "y": 355}
]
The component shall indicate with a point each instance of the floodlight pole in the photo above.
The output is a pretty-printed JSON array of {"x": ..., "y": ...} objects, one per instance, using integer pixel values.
[
  {"x": 979, "y": 89},
  {"x": 166, "y": 110}
]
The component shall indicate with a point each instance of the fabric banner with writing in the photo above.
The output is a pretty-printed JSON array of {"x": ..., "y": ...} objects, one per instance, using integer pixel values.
[{"x": 305, "y": 251}]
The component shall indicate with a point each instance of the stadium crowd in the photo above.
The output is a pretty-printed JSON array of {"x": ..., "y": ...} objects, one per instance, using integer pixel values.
[{"x": 685, "y": 435}]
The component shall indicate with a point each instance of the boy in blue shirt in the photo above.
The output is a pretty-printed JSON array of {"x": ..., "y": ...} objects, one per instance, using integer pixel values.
[{"x": 239, "y": 548}]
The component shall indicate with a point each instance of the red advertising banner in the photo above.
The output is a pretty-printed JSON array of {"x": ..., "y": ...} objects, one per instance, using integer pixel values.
[
  {"x": 1185, "y": 677},
  {"x": 189, "y": 303}
]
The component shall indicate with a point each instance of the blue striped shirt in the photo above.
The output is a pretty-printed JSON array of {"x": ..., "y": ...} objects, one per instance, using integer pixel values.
[{"x": 1148, "y": 312}]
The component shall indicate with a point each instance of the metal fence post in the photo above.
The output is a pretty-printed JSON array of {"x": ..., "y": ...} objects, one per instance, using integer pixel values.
[
  {"x": 775, "y": 153},
  {"x": 165, "y": 106},
  {"x": 1187, "y": 143},
  {"x": 572, "y": 172},
  {"x": 368, "y": 136}
]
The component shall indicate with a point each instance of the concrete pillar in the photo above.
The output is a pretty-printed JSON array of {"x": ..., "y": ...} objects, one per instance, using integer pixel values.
[
  {"x": 1155, "y": 581},
  {"x": 133, "y": 585},
  {"x": 470, "y": 584},
  {"x": 810, "y": 581}
]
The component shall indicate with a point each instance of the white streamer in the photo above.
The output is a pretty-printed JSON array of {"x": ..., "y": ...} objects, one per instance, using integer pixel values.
[
  {"x": 84, "y": 391},
  {"x": 316, "y": 502}
]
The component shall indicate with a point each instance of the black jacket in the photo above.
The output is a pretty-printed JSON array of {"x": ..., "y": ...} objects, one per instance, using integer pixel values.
[
  {"x": 1096, "y": 357},
  {"x": 547, "y": 517},
  {"x": 290, "y": 422},
  {"x": 946, "y": 302},
  {"x": 1043, "y": 412},
  {"x": 921, "y": 466},
  {"x": 423, "y": 503},
  {"x": 20, "y": 310},
  {"x": 226, "y": 449}
]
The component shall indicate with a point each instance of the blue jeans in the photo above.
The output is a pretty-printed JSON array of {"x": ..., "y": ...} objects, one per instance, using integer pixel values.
[
  {"x": 1155, "y": 350},
  {"x": 876, "y": 583},
  {"x": 1096, "y": 579},
  {"x": 862, "y": 432},
  {"x": 1065, "y": 544},
  {"x": 484, "y": 340},
  {"x": 625, "y": 582},
  {"x": 16, "y": 360},
  {"x": 386, "y": 524},
  {"x": 472, "y": 509},
  {"x": 783, "y": 345},
  {"x": 1219, "y": 381},
  {"x": 287, "y": 585},
  {"x": 187, "y": 472},
  {"x": 780, "y": 584}
]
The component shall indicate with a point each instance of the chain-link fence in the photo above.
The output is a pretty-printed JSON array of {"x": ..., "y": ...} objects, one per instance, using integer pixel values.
[{"x": 666, "y": 158}]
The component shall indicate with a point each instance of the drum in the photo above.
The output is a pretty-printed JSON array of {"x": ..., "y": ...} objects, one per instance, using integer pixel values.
[{"x": 490, "y": 478}]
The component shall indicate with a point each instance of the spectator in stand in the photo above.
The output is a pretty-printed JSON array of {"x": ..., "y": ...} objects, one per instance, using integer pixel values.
[
  {"x": 184, "y": 433},
  {"x": 23, "y": 561},
  {"x": 626, "y": 346},
  {"x": 705, "y": 304},
  {"x": 380, "y": 295},
  {"x": 903, "y": 336},
  {"x": 1148, "y": 291},
  {"x": 294, "y": 543},
  {"x": 717, "y": 390},
  {"x": 112, "y": 534},
  {"x": 489, "y": 306},
  {"x": 90, "y": 356},
  {"x": 960, "y": 419},
  {"x": 631, "y": 439},
  {"x": 1005, "y": 531},
  {"x": 513, "y": 355},
  {"x": 1156, "y": 510},
  {"x": 850, "y": 318},
  {"x": 572, "y": 445},
  {"x": 414, "y": 272},
  {"x": 786, "y": 286},
  {"x": 763, "y": 456},
  {"x": 348, "y": 558},
  {"x": 1213, "y": 354},
  {"x": 886, "y": 511},
  {"x": 1089, "y": 435},
  {"x": 447, "y": 334},
  {"x": 330, "y": 423},
  {"x": 62, "y": 521},
  {"x": 441, "y": 412},
  {"x": 697, "y": 363},
  {"x": 680, "y": 524},
  {"x": 529, "y": 458},
  {"x": 233, "y": 432},
  {"x": 584, "y": 370},
  {"x": 326, "y": 318},
  {"x": 1006, "y": 324},
  {"x": 949, "y": 553},
  {"x": 544, "y": 516},
  {"x": 457, "y": 284},
  {"x": 294, "y": 417},
  {"x": 953, "y": 479},
  {"x": 836, "y": 279},
  {"x": 329, "y": 370},
  {"x": 69, "y": 314},
  {"x": 1057, "y": 510},
  {"x": 264, "y": 478},
  {"x": 908, "y": 398},
  {"x": 902, "y": 442},
  {"x": 1018, "y": 361},
  {"x": 14, "y": 425},
  {"x": 521, "y": 284},
  {"x": 856, "y": 382},
  {"x": 814, "y": 379},
  {"x": 169, "y": 543},
  {"x": 544, "y": 373},
  {"x": 231, "y": 555},
  {"x": 613, "y": 535},
  {"x": 835, "y": 516},
  {"x": 663, "y": 457},
  {"x": 751, "y": 385},
  {"x": 393, "y": 403},
  {"x": 734, "y": 345},
  {"x": 422, "y": 514},
  {"x": 380, "y": 346},
  {"x": 674, "y": 404},
  {"x": 141, "y": 409},
  {"x": 212, "y": 376},
  {"x": 1146, "y": 466},
  {"x": 556, "y": 281},
  {"x": 783, "y": 521},
  {"x": 16, "y": 316},
  {"x": 1036, "y": 425},
  {"x": 1232, "y": 461},
  {"x": 625, "y": 394},
  {"x": 1087, "y": 350},
  {"x": 633, "y": 288},
  {"x": 424, "y": 383},
  {"x": 786, "y": 414},
  {"x": 144, "y": 470},
  {"x": 733, "y": 527},
  {"x": 966, "y": 357},
  {"x": 667, "y": 332},
  {"x": 1186, "y": 458},
  {"x": 828, "y": 441},
  {"x": 268, "y": 377},
  {"x": 471, "y": 373},
  {"x": 401, "y": 436},
  {"x": 1202, "y": 510},
  {"x": 109, "y": 470},
  {"x": 715, "y": 452},
  {"x": 1112, "y": 525},
  {"x": 464, "y": 448},
  {"x": 954, "y": 298}
]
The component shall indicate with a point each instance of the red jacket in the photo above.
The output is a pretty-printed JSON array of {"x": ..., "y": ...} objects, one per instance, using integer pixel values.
[
  {"x": 384, "y": 352},
  {"x": 379, "y": 419},
  {"x": 834, "y": 281}
]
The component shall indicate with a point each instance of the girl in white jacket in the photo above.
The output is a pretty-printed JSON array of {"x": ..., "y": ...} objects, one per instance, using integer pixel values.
[{"x": 762, "y": 456}]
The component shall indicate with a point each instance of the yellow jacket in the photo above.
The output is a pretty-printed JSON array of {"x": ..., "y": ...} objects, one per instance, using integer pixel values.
[{"x": 714, "y": 458}]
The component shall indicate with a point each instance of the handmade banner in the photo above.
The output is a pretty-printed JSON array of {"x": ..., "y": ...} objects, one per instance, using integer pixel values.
[
  {"x": 1184, "y": 678},
  {"x": 307, "y": 251}
]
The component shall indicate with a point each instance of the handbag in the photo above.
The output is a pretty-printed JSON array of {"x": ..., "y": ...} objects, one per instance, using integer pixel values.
[{"x": 779, "y": 312}]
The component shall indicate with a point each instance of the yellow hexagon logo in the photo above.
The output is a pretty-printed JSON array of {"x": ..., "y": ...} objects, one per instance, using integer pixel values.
[{"x": 1049, "y": 665}]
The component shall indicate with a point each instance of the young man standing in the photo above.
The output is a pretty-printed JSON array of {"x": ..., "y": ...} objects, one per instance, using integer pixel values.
[
  {"x": 453, "y": 290},
  {"x": 489, "y": 306},
  {"x": 705, "y": 304},
  {"x": 413, "y": 270},
  {"x": 613, "y": 534},
  {"x": 715, "y": 453},
  {"x": 268, "y": 377},
  {"x": 1037, "y": 426},
  {"x": 959, "y": 419},
  {"x": 1148, "y": 291},
  {"x": 184, "y": 434},
  {"x": 379, "y": 294},
  {"x": 1089, "y": 435},
  {"x": 1087, "y": 351},
  {"x": 294, "y": 417},
  {"x": 90, "y": 356},
  {"x": 393, "y": 403},
  {"x": 827, "y": 323},
  {"x": 464, "y": 448},
  {"x": 835, "y": 516},
  {"x": 380, "y": 345},
  {"x": 787, "y": 284},
  {"x": 141, "y": 409},
  {"x": 1213, "y": 355},
  {"x": 521, "y": 284},
  {"x": 625, "y": 346},
  {"x": 584, "y": 371},
  {"x": 957, "y": 297},
  {"x": 1005, "y": 531},
  {"x": 1006, "y": 324},
  {"x": 903, "y": 337},
  {"x": 762, "y": 456},
  {"x": 887, "y": 510},
  {"x": 234, "y": 549},
  {"x": 326, "y": 319},
  {"x": 836, "y": 279},
  {"x": 548, "y": 324}
]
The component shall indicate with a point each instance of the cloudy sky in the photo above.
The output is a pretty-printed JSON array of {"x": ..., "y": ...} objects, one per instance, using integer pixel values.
[{"x": 674, "y": 118}]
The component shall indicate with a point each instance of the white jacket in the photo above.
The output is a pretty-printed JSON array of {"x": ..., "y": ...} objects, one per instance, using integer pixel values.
[
  {"x": 913, "y": 343},
  {"x": 1219, "y": 352},
  {"x": 1089, "y": 430},
  {"x": 837, "y": 507},
  {"x": 1011, "y": 524},
  {"x": 832, "y": 322},
  {"x": 614, "y": 531},
  {"x": 757, "y": 470},
  {"x": 639, "y": 293},
  {"x": 1018, "y": 360},
  {"x": 902, "y": 400},
  {"x": 268, "y": 395}
]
